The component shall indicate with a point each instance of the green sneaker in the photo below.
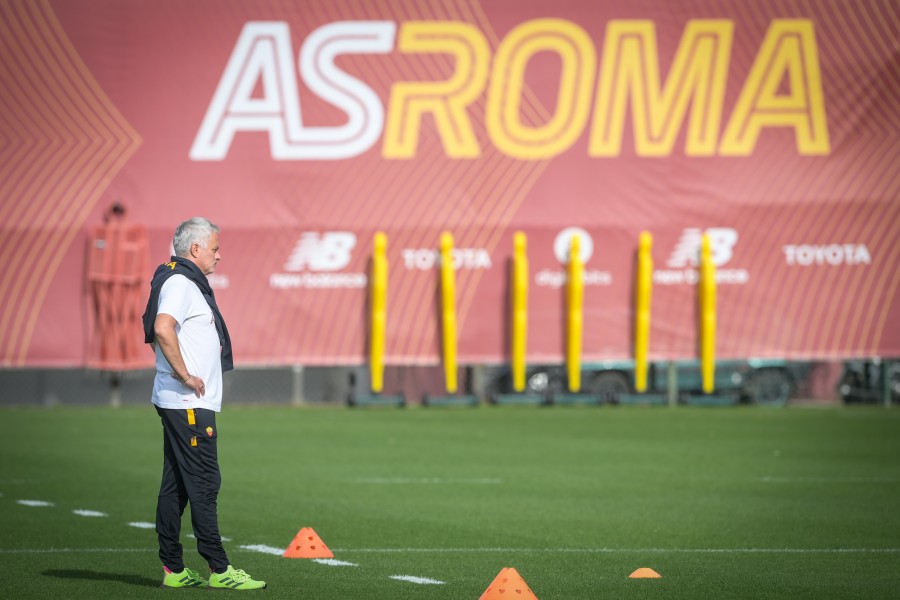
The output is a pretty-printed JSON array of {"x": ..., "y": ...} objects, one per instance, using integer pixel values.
[
  {"x": 234, "y": 579},
  {"x": 186, "y": 578}
]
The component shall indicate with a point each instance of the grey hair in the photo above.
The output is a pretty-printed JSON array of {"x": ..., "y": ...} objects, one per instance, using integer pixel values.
[{"x": 192, "y": 231}]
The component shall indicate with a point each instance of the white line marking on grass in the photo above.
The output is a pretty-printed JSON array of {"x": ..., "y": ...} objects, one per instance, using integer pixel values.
[
  {"x": 224, "y": 539},
  {"x": 634, "y": 550},
  {"x": 280, "y": 552},
  {"x": 419, "y": 580},
  {"x": 34, "y": 503},
  {"x": 331, "y": 562},
  {"x": 142, "y": 525},
  {"x": 89, "y": 513},
  {"x": 828, "y": 480},
  {"x": 263, "y": 548},
  {"x": 429, "y": 480}
]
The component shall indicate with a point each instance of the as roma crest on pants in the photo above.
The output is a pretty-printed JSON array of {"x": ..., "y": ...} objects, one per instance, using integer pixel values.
[{"x": 209, "y": 431}]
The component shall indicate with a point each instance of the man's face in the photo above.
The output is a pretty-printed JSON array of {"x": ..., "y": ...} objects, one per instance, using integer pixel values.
[{"x": 206, "y": 257}]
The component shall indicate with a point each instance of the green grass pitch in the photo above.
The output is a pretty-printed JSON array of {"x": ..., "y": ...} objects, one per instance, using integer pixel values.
[{"x": 724, "y": 503}]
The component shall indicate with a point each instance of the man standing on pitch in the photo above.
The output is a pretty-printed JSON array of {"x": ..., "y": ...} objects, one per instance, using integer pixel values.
[{"x": 192, "y": 349}]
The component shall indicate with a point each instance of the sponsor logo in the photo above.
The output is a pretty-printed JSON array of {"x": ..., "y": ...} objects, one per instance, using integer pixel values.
[
  {"x": 685, "y": 258},
  {"x": 218, "y": 282},
  {"x": 806, "y": 255},
  {"x": 329, "y": 252},
  {"x": 316, "y": 260},
  {"x": 425, "y": 259},
  {"x": 687, "y": 252},
  {"x": 556, "y": 278}
]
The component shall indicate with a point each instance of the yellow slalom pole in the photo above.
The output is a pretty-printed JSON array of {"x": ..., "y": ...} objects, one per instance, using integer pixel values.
[
  {"x": 519, "y": 310},
  {"x": 643, "y": 289},
  {"x": 575, "y": 319},
  {"x": 707, "y": 316},
  {"x": 448, "y": 311},
  {"x": 378, "y": 287}
]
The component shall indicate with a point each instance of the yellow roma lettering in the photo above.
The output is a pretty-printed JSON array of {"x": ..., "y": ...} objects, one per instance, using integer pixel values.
[
  {"x": 504, "y": 107},
  {"x": 788, "y": 51},
  {"x": 690, "y": 97},
  {"x": 446, "y": 101},
  {"x": 630, "y": 67}
]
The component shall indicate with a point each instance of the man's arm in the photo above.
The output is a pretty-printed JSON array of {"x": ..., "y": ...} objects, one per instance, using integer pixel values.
[{"x": 164, "y": 329}]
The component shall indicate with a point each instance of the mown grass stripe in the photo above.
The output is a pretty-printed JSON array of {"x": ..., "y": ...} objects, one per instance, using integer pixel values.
[
  {"x": 72, "y": 550},
  {"x": 492, "y": 550},
  {"x": 630, "y": 550},
  {"x": 827, "y": 480},
  {"x": 429, "y": 480}
]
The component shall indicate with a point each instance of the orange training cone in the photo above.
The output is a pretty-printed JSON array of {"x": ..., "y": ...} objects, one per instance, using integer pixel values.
[
  {"x": 645, "y": 573},
  {"x": 307, "y": 544},
  {"x": 508, "y": 584}
]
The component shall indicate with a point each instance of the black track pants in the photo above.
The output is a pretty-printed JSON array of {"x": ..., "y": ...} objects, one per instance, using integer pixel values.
[{"x": 190, "y": 474}]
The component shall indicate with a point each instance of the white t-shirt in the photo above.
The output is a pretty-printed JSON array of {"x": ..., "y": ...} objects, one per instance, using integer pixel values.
[{"x": 199, "y": 342}]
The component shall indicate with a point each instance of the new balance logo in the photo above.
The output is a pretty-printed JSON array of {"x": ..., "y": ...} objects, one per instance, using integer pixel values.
[
  {"x": 685, "y": 258},
  {"x": 687, "y": 252},
  {"x": 330, "y": 251},
  {"x": 317, "y": 262}
]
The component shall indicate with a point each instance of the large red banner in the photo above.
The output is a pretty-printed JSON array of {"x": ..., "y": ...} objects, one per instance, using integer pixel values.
[{"x": 303, "y": 128}]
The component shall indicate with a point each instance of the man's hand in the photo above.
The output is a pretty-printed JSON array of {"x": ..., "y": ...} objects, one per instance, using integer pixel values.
[{"x": 195, "y": 383}]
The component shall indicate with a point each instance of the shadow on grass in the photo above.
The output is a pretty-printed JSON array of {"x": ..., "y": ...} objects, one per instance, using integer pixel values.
[{"x": 98, "y": 576}]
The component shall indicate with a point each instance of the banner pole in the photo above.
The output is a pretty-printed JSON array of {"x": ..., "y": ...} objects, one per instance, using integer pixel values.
[
  {"x": 448, "y": 311},
  {"x": 379, "y": 311},
  {"x": 575, "y": 319},
  {"x": 519, "y": 310},
  {"x": 644, "y": 287},
  {"x": 707, "y": 291}
]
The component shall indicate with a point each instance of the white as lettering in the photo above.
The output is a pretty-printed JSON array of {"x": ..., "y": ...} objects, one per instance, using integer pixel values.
[{"x": 262, "y": 59}]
